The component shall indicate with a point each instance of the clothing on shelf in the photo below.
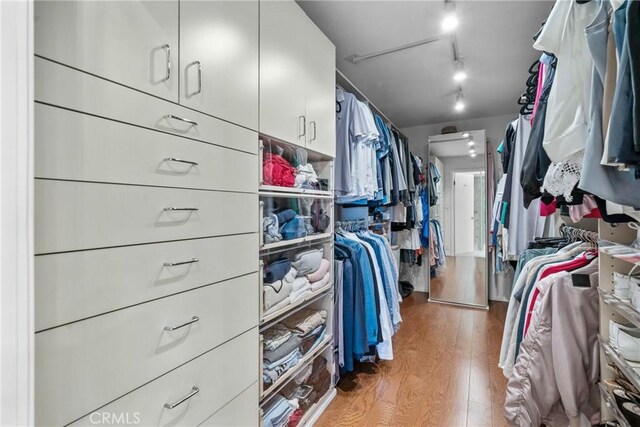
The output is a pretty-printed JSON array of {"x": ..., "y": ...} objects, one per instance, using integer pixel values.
[
  {"x": 368, "y": 289},
  {"x": 286, "y": 342}
]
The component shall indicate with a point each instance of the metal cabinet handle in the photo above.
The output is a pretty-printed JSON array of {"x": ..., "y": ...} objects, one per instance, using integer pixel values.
[
  {"x": 173, "y": 159},
  {"x": 171, "y": 116},
  {"x": 199, "y": 76},
  {"x": 167, "y": 50},
  {"x": 304, "y": 125},
  {"x": 194, "y": 319},
  {"x": 173, "y": 264},
  {"x": 194, "y": 391},
  {"x": 315, "y": 131},
  {"x": 179, "y": 209}
]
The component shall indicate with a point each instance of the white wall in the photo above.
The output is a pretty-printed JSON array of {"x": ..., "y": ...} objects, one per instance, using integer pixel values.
[{"x": 495, "y": 127}]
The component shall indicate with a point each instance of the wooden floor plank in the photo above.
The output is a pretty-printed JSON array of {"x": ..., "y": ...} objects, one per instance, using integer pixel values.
[{"x": 444, "y": 373}]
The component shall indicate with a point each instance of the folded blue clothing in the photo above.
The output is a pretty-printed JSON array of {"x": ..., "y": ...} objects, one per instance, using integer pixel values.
[
  {"x": 276, "y": 270},
  {"x": 294, "y": 229},
  {"x": 285, "y": 215}
]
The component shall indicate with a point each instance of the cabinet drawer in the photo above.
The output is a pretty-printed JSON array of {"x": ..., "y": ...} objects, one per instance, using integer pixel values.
[
  {"x": 76, "y": 215},
  {"x": 86, "y": 364},
  {"x": 80, "y": 147},
  {"x": 240, "y": 412},
  {"x": 76, "y": 285},
  {"x": 61, "y": 86}
]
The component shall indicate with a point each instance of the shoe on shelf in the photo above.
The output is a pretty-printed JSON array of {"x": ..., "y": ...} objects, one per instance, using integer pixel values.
[
  {"x": 631, "y": 412},
  {"x": 621, "y": 286},
  {"x": 625, "y": 339},
  {"x": 634, "y": 292}
]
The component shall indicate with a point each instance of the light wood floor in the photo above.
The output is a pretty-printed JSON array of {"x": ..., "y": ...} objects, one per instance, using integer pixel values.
[
  {"x": 461, "y": 280},
  {"x": 444, "y": 372}
]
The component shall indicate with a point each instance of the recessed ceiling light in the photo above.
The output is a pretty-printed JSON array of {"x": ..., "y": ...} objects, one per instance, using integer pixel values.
[
  {"x": 459, "y": 106},
  {"x": 471, "y": 143},
  {"x": 472, "y": 150},
  {"x": 473, "y": 154},
  {"x": 459, "y": 76},
  {"x": 450, "y": 22}
]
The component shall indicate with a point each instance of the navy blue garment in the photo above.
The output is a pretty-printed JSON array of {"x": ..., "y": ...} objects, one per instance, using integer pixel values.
[
  {"x": 364, "y": 269},
  {"x": 354, "y": 322}
]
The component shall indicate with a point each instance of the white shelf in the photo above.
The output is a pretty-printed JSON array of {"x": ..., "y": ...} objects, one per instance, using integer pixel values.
[
  {"x": 621, "y": 307},
  {"x": 289, "y": 191},
  {"x": 305, "y": 360},
  {"x": 276, "y": 316},
  {"x": 623, "y": 252},
  {"x": 611, "y": 404},
  {"x": 294, "y": 242},
  {"x": 632, "y": 375}
]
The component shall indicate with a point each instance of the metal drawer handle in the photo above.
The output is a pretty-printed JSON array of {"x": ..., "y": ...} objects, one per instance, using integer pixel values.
[
  {"x": 167, "y": 49},
  {"x": 191, "y": 122},
  {"x": 173, "y": 159},
  {"x": 194, "y": 391},
  {"x": 179, "y": 209},
  {"x": 194, "y": 319},
  {"x": 173, "y": 264},
  {"x": 199, "y": 76},
  {"x": 315, "y": 131}
]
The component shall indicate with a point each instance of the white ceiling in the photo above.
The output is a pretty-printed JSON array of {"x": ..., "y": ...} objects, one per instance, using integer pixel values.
[
  {"x": 455, "y": 144},
  {"x": 414, "y": 87}
]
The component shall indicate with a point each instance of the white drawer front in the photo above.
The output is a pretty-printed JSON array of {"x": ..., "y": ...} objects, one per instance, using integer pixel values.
[
  {"x": 76, "y": 215},
  {"x": 58, "y": 85},
  {"x": 80, "y": 147},
  {"x": 84, "y": 365},
  {"x": 240, "y": 412},
  {"x": 76, "y": 285}
]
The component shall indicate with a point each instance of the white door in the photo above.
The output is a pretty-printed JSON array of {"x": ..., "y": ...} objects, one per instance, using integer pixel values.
[
  {"x": 219, "y": 59},
  {"x": 463, "y": 213},
  {"x": 320, "y": 93},
  {"x": 283, "y": 28},
  {"x": 134, "y": 43}
]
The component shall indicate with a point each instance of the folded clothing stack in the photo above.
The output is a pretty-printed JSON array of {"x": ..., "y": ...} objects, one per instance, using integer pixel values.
[
  {"x": 320, "y": 278},
  {"x": 308, "y": 386},
  {"x": 277, "y": 171},
  {"x": 284, "y": 344},
  {"x": 277, "y": 294},
  {"x": 277, "y": 412},
  {"x": 305, "y": 320}
]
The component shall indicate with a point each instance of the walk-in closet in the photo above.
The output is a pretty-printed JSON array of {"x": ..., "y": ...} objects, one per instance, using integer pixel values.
[{"x": 330, "y": 213}]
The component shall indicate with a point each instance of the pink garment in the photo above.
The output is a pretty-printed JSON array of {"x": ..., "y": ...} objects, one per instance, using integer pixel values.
[
  {"x": 541, "y": 75},
  {"x": 577, "y": 212},
  {"x": 550, "y": 209},
  {"x": 320, "y": 272}
]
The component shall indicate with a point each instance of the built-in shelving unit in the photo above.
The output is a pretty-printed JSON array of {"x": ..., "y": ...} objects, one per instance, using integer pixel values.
[
  {"x": 276, "y": 197},
  {"x": 615, "y": 256}
]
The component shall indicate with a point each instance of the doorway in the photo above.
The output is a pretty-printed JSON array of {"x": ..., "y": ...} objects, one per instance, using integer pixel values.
[{"x": 469, "y": 213}]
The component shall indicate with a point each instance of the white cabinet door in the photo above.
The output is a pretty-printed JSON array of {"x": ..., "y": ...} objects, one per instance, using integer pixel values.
[
  {"x": 134, "y": 43},
  {"x": 320, "y": 94},
  {"x": 283, "y": 27},
  {"x": 219, "y": 59}
]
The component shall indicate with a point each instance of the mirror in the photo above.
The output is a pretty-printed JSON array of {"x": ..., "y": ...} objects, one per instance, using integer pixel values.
[{"x": 458, "y": 242}]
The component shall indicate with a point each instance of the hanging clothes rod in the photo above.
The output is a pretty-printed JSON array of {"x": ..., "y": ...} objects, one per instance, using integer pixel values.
[
  {"x": 347, "y": 85},
  {"x": 578, "y": 234}
]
